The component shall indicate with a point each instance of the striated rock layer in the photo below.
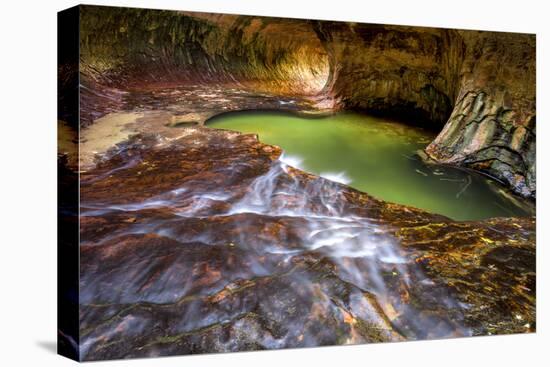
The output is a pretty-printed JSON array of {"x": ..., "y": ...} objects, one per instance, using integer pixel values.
[
  {"x": 492, "y": 126},
  {"x": 138, "y": 50}
]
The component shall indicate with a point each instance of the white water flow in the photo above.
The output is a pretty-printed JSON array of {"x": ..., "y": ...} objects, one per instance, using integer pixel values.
[
  {"x": 315, "y": 221},
  {"x": 360, "y": 248}
]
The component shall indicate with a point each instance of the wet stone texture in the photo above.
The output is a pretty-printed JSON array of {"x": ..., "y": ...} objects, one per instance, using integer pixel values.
[
  {"x": 164, "y": 111},
  {"x": 207, "y": 242}
]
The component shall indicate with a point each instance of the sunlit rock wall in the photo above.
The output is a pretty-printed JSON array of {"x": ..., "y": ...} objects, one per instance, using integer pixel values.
[{"x": 136, "y": 47}]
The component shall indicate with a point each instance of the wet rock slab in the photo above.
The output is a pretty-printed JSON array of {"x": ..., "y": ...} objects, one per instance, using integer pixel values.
[
  {"x": 209, "y": 243},
  {"x": 164, "y": 110}
]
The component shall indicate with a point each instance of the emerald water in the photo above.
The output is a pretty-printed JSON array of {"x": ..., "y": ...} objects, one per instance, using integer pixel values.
[{"x": 377, "y": 156}]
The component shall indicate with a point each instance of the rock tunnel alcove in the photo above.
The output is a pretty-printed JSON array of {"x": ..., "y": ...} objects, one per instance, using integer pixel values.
[{"x": 222, "y": 243}]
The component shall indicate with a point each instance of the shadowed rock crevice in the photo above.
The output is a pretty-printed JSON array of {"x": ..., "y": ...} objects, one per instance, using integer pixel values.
[{"x": 406, "y": 72}]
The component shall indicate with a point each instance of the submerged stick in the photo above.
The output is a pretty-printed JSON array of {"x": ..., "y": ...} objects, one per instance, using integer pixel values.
[{"x": 468, "y": 183}]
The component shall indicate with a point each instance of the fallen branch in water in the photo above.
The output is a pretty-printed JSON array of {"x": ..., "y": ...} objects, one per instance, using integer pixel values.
[{"x": 468, "y": 183}]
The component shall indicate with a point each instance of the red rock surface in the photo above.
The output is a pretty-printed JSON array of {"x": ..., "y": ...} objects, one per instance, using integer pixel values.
[{"x": 210, "y": 244}]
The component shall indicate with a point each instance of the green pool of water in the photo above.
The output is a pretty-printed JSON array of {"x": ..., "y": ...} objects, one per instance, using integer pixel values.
[{"x": 377, "y": 156}]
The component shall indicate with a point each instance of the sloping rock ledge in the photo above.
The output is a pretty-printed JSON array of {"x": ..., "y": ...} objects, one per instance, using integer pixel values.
[{"x": 211, "y": 244}]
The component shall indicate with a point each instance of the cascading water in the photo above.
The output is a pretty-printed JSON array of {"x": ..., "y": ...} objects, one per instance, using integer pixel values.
[
  {"x": 279, "y": 221},
  {"x": 216, "y": 242}
]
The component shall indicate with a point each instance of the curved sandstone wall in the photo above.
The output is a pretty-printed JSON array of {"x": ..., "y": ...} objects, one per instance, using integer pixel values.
[
  {"x": 492, "y": 126},
  {"x": 477, "y": 88},
  {"x": 407, "y": 72},
  {"x": 136, "y": 47}
]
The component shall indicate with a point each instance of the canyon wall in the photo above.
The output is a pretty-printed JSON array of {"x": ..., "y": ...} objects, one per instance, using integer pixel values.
[
  {"x": 492, "y": 126},
  {"x": 136, "y": 47},
  {"x": 405, "y": 72},
  {"x": 477, "y": 88}
]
